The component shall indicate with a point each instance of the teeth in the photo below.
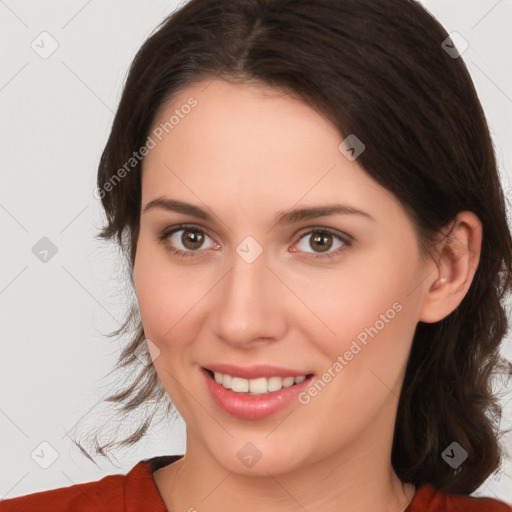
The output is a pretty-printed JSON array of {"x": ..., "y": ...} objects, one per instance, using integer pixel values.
[
  {"x": 239, "y": 385},
  {"x": 259, "y": 386}
]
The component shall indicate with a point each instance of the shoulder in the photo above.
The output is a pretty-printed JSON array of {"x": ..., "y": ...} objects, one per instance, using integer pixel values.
[
  {"x": 428, "y": 499},
  {"x": 89, "y": 496},
  {"x": 79, "y": 497}
]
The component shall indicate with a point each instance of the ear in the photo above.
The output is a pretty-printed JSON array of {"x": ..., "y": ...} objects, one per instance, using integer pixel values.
[{"x": 458, "y": 254}]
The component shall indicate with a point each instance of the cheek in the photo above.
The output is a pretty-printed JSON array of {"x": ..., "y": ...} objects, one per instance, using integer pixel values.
[
  {"x": 364, "y": 361},
  {"x": 166, "y": 299},
  {"x": 355, "y": 298},
  {"x": 166, "y": 293},
  {"x": 370, "y": 311},
  {"x": 150, "y": 289}
]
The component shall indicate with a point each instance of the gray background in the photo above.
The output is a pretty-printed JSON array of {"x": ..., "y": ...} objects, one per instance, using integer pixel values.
[{"x": 55, "y": 116}]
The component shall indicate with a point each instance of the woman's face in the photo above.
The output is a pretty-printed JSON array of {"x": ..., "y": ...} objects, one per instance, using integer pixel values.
[{"x": 251, "y": 285}]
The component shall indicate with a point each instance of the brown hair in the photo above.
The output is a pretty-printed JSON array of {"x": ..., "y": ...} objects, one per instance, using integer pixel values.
[{"x": 377, "y": 69}]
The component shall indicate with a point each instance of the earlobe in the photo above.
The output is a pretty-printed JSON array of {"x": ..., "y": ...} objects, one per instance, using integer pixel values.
[{"x": 456, "y": 264}]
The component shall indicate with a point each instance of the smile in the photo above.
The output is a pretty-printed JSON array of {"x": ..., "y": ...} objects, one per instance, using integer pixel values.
[
  {"x": 259, "y": 386},
  {"x": 270, "y": 394}
]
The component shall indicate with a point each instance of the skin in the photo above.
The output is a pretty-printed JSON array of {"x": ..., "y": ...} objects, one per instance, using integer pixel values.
[{"x": 244, "y": 153}]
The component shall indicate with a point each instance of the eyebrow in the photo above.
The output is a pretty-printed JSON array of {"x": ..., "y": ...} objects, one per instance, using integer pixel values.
[{"x": 282, "y": 217}]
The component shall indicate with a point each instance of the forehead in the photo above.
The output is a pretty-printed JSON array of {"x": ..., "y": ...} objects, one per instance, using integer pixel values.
[
  {"x": 238, "y": 118},
  {"x": 251, "y": 145}
]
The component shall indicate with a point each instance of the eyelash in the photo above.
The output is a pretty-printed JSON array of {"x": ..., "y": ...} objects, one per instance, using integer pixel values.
[{"x": 166, "y": 233}]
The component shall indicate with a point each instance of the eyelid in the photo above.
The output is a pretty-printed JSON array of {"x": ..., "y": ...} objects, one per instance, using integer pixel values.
[{"x": 345, "y": 237}]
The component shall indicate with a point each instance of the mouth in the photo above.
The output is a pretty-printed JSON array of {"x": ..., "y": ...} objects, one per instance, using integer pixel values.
[
  {"x": 256, "y": 386},
  {"x": 258, "y": 397}
]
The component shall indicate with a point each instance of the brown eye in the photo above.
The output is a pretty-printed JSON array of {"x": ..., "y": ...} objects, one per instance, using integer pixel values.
[
  {"x": 186, "y": 240},
  {"x": 192, "y": 239},
  {"x": 321, "y": 242}
]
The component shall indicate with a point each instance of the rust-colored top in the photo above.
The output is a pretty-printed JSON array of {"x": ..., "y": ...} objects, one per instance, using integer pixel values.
[{"x": 137, "y": 492}]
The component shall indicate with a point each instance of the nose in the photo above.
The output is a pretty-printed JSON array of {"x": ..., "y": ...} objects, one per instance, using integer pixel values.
[{"x": 249, "y": 305}]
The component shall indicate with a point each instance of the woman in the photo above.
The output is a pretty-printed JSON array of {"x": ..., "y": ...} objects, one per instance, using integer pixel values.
[{"x": 308, "y": 198}]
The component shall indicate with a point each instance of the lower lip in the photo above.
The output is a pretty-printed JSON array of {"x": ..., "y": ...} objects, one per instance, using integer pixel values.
[{"x": 252, "y": 407}]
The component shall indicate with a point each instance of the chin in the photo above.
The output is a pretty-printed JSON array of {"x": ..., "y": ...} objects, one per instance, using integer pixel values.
[{"x": 259, "y": 459}]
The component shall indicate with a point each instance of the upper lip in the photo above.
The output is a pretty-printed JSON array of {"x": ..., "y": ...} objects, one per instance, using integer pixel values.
[{"x": 255, "y": 372}]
